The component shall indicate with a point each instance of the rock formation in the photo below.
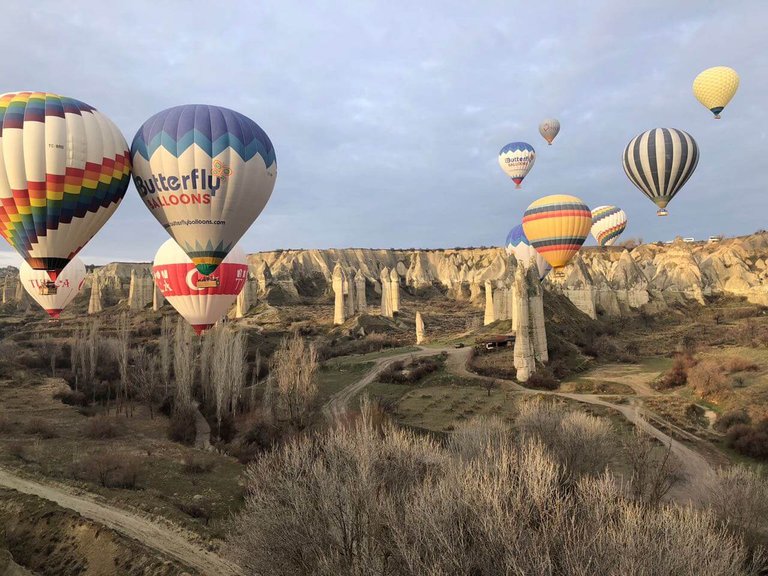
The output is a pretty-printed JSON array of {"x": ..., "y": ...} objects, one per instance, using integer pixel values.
[
  {"x": 362, "y": 305},
  {"x": 386, "y": 294},
  {"x": 536, "y": 315},
  {"x": 524, "y": 356},
  {"x": 394, "y": 291},
  {"x": 157, "y": 298},
  {"x": 419, "y": 328},
  {"x": 490, "y": 311},
  {"x": 247, "y": 297},
  {"x": 349, "y": 294},
  {"x": 140, "y": 291},
  {"x": 95, "y": 304},
  {"x": 339, "y": 310}
]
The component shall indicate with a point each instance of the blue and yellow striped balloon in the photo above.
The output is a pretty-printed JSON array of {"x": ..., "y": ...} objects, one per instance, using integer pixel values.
[{"x": 557, "y": 227}]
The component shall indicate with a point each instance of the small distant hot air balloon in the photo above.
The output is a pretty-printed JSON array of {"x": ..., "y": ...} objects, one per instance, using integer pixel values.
[
  {"x": 659, "y": 162},
  {"x": 549, "y": 129},
  {"x": 205, "y": 173},
  {"x": 557, "y": 227},
  {"x": 715, "y": 87},
  {"x": 519, "y": 245},
  {"x": 64, "y": 168},
  {"x": 516, "y": 159},
  {"x": 68, "y": 284},
  {"x": 201, "y": 302},
  {"x": 608, "y": 223}
]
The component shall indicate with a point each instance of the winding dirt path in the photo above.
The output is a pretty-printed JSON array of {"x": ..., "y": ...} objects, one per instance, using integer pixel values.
[
  {"x": 146, "y": 532},
  {"x": 697, "y": 470}
]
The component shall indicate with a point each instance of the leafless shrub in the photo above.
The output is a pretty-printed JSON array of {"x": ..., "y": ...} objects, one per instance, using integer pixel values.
[
  {"x": 361, "y": 501},
  {"x": 182, "y": 426},
  {"x": 654, "y": 474},
  {"x": 197, "y": 464},
  {"x": 676, "y": 376},
  {"x": 730, "y": 418},
  {"x": 708, "y": 379},
  {"x": 542, "y": 379},
  {"x": 739, "y": 497},
  {"x": 473, "y": 438},
  {"x": 121, "y": 351},
  {"x": 102, "y": 428},
  {"x": 109, "y": 469},
  {"x": 40, "y": 427},
  {"x": 227, "y": 370},
  {"x": 581, "y": 443},
  {"x": 294, "y": 377},
  {"x": 750, "y": 439}
]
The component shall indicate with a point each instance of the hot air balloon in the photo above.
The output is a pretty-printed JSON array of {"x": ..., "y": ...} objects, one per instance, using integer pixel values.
[
  {"x": 659, "y": 162},
  {"x": 201, "y": 302},
  {"x": 518, "y": 244},
  {"x": 549, "y": 129},
  {"x": 205, "y": 173},
  {"x": 516, "y": 159},
  {"x": 64, "y": 168},
  {"x": 68, "y": 284},
  {"x": 715, "y": 87},
  {"x": 557, "y": 227},
  {"x": 608, "y": 223}
]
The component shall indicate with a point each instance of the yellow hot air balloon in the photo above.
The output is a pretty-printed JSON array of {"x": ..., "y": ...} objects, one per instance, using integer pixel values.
[
  {"x": 715, "y": 87},
  {"x": 557, "y": 227}
]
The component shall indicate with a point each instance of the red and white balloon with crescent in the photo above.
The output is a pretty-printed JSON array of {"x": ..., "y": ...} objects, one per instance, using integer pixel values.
[{"x": 177, "y": 278}]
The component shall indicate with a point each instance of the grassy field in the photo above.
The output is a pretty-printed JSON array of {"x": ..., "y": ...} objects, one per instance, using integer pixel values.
[
  {"x": 594, "y": 386},
  {"x": 335, "y": 376}
]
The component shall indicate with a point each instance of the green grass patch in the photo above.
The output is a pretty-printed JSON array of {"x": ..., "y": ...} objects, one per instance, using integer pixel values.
[
  {"x": 335, "y": 376},
  {"x": 594, "y": 386}
]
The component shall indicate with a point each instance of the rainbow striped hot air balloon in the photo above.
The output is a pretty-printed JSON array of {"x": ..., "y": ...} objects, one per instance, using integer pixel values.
[
  {"x": 516, "y": 159},
  {"x": 205, "y": 173},
  {"x": 64, "y": 168},
  {"x": 557, "y": 227},
  {"x": 179, "y": 280},
  {"x": 519, "y": 245},
  {"x": 608, "y": 223}
]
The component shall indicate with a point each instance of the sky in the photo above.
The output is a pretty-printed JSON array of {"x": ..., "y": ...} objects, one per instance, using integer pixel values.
[{"x": 387, "y": 116}]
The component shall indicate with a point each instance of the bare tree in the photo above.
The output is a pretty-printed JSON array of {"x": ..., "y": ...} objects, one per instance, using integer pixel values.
[
  {"x": 164, "y": 345},
  {"x": 184, "y": 366},
  {"x": 294, "y": 374},
  {"x": 654, "y": 472},
  {"x": 207, "y": 361},
  {"x": 227, "y": 365},
  {"x": 145, "y": 375},
  {"x": 122, "y": 356},
  {"x": 739, "y": 497},
  {"x": 93, "y": 352}
]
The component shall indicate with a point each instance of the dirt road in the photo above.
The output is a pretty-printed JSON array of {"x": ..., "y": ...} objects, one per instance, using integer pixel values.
[
  {"x": 155, "y": 536},
  {"x": 697, "y": 470}
]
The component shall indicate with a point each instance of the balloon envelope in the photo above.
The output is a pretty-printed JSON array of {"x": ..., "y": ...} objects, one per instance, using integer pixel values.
[
  {"x": 557, "y": 227},
  {"x": 715, "y": 87},
  {"x": 608, "y": 223},
  {"x": 516, "y": 159},
  {"x": 205, "y": 173},
  {"x": 68, "y": 283},
  {"x": 519, "y": 245},
  {"x": 64, "y": 168},
  {"x": 549, "y": 129},
  {"x": 659, "y": 162},
  {"x": 177, "y": 278}
]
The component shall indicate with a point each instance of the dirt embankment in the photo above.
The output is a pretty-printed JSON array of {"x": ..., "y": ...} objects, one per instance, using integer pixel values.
[{"x": 46, "y": 539}]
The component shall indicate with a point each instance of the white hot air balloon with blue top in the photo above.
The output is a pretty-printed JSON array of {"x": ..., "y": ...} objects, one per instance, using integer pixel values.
[{"x": 516, "y": 159}]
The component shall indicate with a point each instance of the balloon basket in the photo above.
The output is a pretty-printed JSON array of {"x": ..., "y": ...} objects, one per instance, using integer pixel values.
[
  {"x": 662, "y": 212},
  {"x": 48, "y": 289},
  {"x": 208, "y": 282}
]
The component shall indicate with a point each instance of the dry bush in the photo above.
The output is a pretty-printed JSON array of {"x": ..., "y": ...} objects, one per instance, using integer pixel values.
[
  {"x": 182, "y": 425},
  {"x": 41, "y": 428},
  {"x": 473, "y": 438},
  {"x": 733, "y": 364},
  {"x": 71, "y": 397},
  {"x": 197, "y": 463},
  {"x": 371, "y": 343},
  {"x": 708, "y": 379},
  {"x": 676, "y": 376},
  {"x": 398, "y": 372},
  {"x": 750, "y": 439},
  {"x": 197, "y": 509},
  {"x": 109, "y": 469},
  {"x": 102, "y": 428},
  {"x": 653, "y": 474},
  {"x": 542, "y": 379},
  {"x": 731, "y": 418},
  {"x": 739, "y": 497},
  {"x": 6, "y": 425},
  {"x": 359, "y": 501},
  {"x": 583, "y": 444}
]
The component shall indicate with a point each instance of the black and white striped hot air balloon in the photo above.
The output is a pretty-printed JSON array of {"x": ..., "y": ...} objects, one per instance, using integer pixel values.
[{"x": 659, "y": 162}]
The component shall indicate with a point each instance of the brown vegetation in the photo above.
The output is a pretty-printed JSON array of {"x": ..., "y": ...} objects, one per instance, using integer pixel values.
[
  {"x": 380, "y": 500},
  {"x": 400, "y": 372}
]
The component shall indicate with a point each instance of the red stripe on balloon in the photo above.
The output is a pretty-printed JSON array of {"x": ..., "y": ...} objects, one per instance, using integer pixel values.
[{"x": 181, "y": 279}]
